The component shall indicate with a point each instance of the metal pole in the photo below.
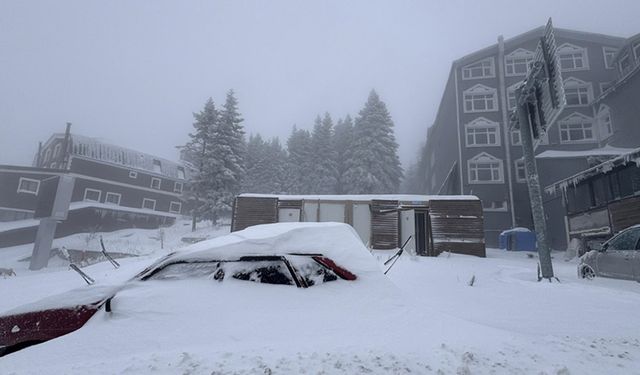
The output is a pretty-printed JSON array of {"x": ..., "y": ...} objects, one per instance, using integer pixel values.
[
  {"x": 533, "y": 183},
  {"x": 42, "y": 246}
]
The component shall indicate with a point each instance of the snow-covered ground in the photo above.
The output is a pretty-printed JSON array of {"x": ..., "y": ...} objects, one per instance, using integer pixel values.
[{"x": 507, "y": 322}]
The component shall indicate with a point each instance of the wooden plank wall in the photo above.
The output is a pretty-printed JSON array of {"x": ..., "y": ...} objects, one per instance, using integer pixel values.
[
  {"x": 249, "y": 211},
  {"x": 457, "y": 226},
  {"x": 384, "y": 224},
  {"x": 624, "y": 213}
]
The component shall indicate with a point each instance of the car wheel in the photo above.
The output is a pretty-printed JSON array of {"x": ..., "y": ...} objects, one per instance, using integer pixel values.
[{"x": 588, "y": 273}]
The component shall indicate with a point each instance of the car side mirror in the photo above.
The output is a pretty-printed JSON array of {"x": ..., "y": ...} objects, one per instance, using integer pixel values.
[{"x": 599, "y": 247}]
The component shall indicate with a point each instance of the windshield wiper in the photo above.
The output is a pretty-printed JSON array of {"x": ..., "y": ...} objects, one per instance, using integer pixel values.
[{"x": 89, "y": 280}]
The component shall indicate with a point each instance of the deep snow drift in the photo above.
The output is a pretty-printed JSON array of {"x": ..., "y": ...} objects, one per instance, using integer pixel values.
[{"x": 423, "y": 318}]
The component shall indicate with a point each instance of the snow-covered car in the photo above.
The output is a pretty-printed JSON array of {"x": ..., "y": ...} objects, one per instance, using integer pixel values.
[
  {"x": 618, "y": 257},
  {"x": 202, "y": 282}
]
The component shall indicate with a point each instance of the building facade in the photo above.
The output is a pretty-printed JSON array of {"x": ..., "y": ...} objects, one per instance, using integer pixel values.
[{"x": 470, "y": 148}]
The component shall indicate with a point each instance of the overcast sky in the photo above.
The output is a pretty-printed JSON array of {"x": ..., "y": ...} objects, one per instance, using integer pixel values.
[{"x": 133, "y": 72}]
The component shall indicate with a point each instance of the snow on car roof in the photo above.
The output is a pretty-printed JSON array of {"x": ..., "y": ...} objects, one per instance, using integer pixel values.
[{"x": 337, "y": 241}]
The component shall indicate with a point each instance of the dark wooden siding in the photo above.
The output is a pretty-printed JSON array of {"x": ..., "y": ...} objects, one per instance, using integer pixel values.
[
  {"x": 249, "y": 211},
  {"x": 457, "y": 226},
  {"x": 624, "y": 213},
  {"x": 384, "y": 224}
]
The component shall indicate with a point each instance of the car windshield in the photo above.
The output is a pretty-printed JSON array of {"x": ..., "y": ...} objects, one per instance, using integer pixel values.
[
  {"x": 312, "y": 272},
  {"x": 272, "y": 271}
]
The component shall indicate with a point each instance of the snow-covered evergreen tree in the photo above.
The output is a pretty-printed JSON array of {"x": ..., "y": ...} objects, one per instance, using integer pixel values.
[
  {"x": 374, "y": 166},
  {"x": 201, "y": 190},
  {"x": 299, "y": 162},
  {"x": 342, "y": 139},
  {"x": 324, "y": 172},
  {"x": 227, "y": 152},
  {"x": 266, "y": 166}
]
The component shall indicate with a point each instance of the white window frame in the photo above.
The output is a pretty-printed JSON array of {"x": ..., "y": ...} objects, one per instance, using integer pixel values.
[
  {"x": 157, "y": 166},
  {"x": 47, "y": 155},
  {"x": 626, "y": 56},
  {"x": 149, "y": 200},
  {"x": 636, "y": 50},
  {"x": 516, "y": 133},
  {"x": 57, "y": 150},
  {"x": 478, "y": 124},
  {"x": 480, "y": 90},
  {"x": 576, "y": 118},
  {"x": 605, "y": 128},
  {"x": 154, "y": 179},
  {"x": 511, "y": 92},
  {"x": 87, "y": 190},
  {"x": 503, "y": 207},
  {"x": 21, "y": 190},
  {"x": 483, "y": 65},
  {"x": 583, "y": 90},
  {"x": 609, "y": 51},
  {"x": 181, "y": 173},
  {"x": 106, "y": 198},
  {"x": 572, "y": 49},
  {"x": 518, "y": 165},
  {"x": 517, "y": 58},
  {"x": 179, "y": 207},
  {"x": 175, "y": 187},
  {"x": 485, "y": 158},
  {"x": 133, "y": 174}
]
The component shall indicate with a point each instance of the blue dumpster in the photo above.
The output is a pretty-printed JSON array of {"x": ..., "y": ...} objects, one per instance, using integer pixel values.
[{"x": 518, "y": 239}]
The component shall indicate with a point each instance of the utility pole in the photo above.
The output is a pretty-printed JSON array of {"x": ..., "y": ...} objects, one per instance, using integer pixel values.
[{"x": 540, "y": 99}]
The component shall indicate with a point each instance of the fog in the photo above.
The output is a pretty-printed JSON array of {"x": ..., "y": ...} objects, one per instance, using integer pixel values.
[{"x": 132, "y": 72}]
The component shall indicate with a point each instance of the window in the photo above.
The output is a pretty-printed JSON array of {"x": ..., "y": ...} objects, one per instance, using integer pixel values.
[
  {"x": 181, "y": 173},
  {"x": 576, "y": 128},
  {"x": 56, "y": 150},
  {"x": 155, "y": 183},
  {"x": 625, "y": 64},
  {"x": 149, "y": 204},
  {"x": 515, "y": 138},
  {"x": 92, "y": 195},
  {"x": 112, "y": 198},
  {"x": 604, "y": 122},
  {"x": 28, "y": 185},
  {"x": 626, "y": 240},
  {"x": 499, "y": 206},
  {"x": 177, "y": 187},
  {"x": 604, "y": 86},
  {"x": 521, "y": 173},
  {"x": 157, "y": 167},
  {"x": 482, "y": 132},
  {"x": 133, "y": 174},
  {"x": 481, "y": 69},
  {"x": 480, "y": 98},
  {"x": 47, "y": 155},
  {"x": 175, "y": 207},
  {"x": 484, "y": 168},
  {"x": 572, "y": 57},
  {"x": 517, "y": 62},
  {"x": 636, "y": 50},
  {"x": 577, "y": 92},
  {"x": 609, "y": 53}
]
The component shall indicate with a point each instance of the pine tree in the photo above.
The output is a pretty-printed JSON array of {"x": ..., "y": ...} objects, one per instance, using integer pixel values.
[
  {"x": 374, "y": 166},
  {"x": 266, "y": 166},
  {"x": 198, "y": 150},
  {"x": 324, "y": 172},
  {"x": 299, "y": 162},
  {"x": 228, "y": 150},
  {"x": 343, "y": 137}
]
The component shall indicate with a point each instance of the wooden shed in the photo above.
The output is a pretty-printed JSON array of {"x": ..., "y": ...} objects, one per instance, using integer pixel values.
[{"x": 435, "y": 223}]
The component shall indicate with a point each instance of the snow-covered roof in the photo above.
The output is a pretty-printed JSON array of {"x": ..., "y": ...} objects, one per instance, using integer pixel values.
[
  {"x": 104, "y": 151},
  {"x": 630, "y": 157},
  {"x": 366, "y": 197},
  {"x": 602, "y": 151}
]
